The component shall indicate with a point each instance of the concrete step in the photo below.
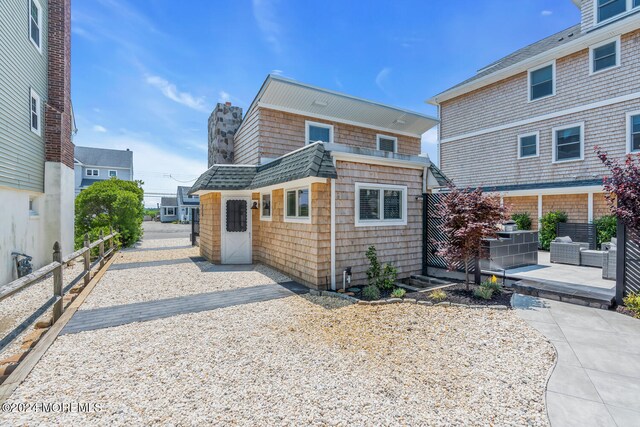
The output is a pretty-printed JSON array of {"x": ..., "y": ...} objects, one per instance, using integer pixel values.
[{"x": 588, "y": 296}]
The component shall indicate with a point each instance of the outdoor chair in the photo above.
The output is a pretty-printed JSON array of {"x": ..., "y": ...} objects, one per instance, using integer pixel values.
[{"x": 565, "y": 251}]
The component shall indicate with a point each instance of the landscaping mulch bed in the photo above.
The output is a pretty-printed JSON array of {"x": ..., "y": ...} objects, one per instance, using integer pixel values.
[
  {"x": 624, "y": 310},
  {"x": 458, "y": 294}
]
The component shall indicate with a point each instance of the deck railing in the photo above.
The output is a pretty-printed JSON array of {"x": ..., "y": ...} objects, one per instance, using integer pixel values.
[{"x": 56, "y": 268}]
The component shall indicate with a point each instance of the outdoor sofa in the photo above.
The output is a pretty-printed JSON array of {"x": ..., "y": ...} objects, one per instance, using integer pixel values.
[{"x": 566, "y": 251}]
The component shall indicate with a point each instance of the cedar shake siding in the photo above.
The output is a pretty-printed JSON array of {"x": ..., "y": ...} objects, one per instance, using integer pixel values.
[
  {"x": 398, "y": 245},
  {"x": 525, "y": 204},
  {"x": 210, "y": 208},
  {"x": 246, "y": 140}
]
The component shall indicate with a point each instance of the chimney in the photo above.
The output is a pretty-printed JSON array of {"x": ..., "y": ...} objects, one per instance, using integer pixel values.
[
  {"x": 58, "y": 124},
  {"x": 224, "y": 122}
]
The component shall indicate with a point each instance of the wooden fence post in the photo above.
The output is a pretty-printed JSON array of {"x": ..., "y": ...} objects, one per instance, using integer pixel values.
[
  {"x": 111, "y": 239},
  {"x": 87, "y": 260},
  {"x": 57, "y": 283},
  {"x": 101, "y": 249}
]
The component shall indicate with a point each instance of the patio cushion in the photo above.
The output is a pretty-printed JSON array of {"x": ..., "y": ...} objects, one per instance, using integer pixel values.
[{"x": 564, "y": 239}]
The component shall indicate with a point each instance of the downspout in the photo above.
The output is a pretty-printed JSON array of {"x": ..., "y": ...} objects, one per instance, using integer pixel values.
[{"x": 333, "y": 231}]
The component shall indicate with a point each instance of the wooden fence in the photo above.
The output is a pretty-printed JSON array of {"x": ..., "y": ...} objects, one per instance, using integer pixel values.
[{"x": 56, "y": 268}]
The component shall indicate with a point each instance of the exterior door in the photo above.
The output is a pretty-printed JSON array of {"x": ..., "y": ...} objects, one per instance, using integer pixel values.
[{"x": 236, "y": 230}]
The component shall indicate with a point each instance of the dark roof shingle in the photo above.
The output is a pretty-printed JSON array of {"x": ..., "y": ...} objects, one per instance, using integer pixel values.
[{"x": 104, "y": 157}]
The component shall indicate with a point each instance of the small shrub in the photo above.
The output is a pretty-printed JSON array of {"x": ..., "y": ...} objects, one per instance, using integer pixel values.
[
  {"x": 632, "y": 302},
  {"x": 438, "y": 295},
  {"x": 483, "y": 292},
  {"x": 523, "y": 220},
  {"x": 371, "y": 293},
  {"x": 548, "y": 224},
  {"x": 388, "y": 279},
  {"x": 607, "y": 228},
  {"x": 381, "y": 277},
  {"x": 492, "y": 284},
  {"x": 398, "y": 293}
]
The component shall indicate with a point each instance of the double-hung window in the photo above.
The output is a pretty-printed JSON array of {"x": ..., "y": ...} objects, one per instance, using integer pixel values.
[
  {"x": 607, "y": 9},
  {"x": 92, "y": 172},
  {"x": 528, "y": 145},
  {"x": 35, "y": 113},
  {"x": 380, "y": 204},
  {"x": 318, "y": 132},
  {"x": 568, "y": 143},
  {"x": 265, "y": 207},
  {"x": 297, "y": 204},
  {"x": 387, "y": 143},
  {"x": 35, "y": 24},
  {"x": 542, "y": 82},
  {"x": 113, "y": 173},
  {"x": 604, "y": 55},
  {"x": 633, "y": 120}
]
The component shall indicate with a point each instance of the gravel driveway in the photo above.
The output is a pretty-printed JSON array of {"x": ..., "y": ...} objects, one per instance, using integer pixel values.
[{"x": 301, "y": 360}]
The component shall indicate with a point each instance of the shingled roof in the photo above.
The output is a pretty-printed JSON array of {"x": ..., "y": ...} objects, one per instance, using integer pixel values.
[
  {"x": 104, "y": 157},
  {"x": 310, "y": 161}
]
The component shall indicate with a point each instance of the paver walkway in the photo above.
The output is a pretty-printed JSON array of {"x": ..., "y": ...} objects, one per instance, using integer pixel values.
[
  {"x": 596, "y": 381},
  {"x": 99, "y": 318}
]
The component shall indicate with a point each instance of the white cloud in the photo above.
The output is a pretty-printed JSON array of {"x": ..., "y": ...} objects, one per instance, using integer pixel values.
[
  {"x": 381, "y": 78},
  {"x": 546, "y": 13},
  {"x": 430, "y": 144},
  {"x": 171, "y": 91},
  {"x": 100, "y": 129},
  {"x": 430, "y": 136},
  {"x": 277, "y": 72},
  {"x": 224, "y": 96},
  {"x": 265, "y": 16}
]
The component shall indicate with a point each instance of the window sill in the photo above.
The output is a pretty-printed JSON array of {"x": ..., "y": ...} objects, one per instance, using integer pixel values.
[
  {"x": 265, "y": 218},
  {"x": 381, "y": 223},
  {"x": 559, "y": 162},
  {"x": 298, "y": 220},
  {"x": 34, "y": 216},
  {"x": 604, "y": 70},
  {"x": 542, "y": 97},
  {"x": 528, "y": 157}
]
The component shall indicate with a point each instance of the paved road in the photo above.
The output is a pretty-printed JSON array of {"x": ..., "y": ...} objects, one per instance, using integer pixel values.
[
  {"x": 596, "y": 381},
  {"x": 157, "y": 230}
]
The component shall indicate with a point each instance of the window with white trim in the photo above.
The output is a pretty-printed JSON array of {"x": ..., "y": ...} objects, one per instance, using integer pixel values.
[
  {"x": 169, "y": 211},
  {"x": 542, "y": 82},
  {"x": 35, "y": 113},
  {"x": 604, "y": 55},
  {"x": 634, "y": 133},
  {"x": 265, "y": 206},
  {"x": 318, "y": 132},
  {"x": 528, "y": 145},
  {"x": 568, "y": 143},
  {"x": 607, "y": 9},
  {"x": 387, "y": 143},
  {"x": 92, "y": 172},
  {"x": 297, "y": 203},
  {"x": 113, "y": 173},
  {"x": 35, "y": 24},
  {"x": 380, "y": 204}
]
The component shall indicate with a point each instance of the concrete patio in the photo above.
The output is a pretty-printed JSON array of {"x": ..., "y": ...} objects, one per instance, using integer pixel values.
[{"x": 596, "y": 381}]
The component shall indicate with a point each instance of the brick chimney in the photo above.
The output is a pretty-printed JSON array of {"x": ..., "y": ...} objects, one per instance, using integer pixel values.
[
  {"x": 58, "y": 122},
  {"x": 224, "y": 122}
]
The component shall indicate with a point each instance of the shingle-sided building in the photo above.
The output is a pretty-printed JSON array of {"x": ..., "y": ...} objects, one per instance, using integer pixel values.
[
  {"x": 98, "y": 164},
  {"x": 526, "y": 125},
  {"x": 169, "y": 209},
  {"x": 186, "y": 204},
  {"x": 309, "y": 179}
]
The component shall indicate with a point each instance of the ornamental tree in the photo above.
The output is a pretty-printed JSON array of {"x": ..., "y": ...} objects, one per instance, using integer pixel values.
[
  {"x": 469, "y": 216},
  {"x": 622, "y": 188}
]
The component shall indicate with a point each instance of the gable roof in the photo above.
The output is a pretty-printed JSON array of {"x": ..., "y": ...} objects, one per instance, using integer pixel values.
[
  {"x": 104, "y": 157},
  {"x": 283, "y": 94},
  {"x": 185, "y": 199},
  {"x": 310, "y": 161},
  {"x": 168, "y": 201}
]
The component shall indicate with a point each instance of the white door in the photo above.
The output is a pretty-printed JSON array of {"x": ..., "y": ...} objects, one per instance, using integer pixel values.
[{"x": 236, "y": 230}]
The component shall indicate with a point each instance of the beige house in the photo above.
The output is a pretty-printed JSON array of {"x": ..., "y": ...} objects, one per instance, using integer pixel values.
[
  {"x": 309, "y": 179},
  {"x": 526, "y": 125}
]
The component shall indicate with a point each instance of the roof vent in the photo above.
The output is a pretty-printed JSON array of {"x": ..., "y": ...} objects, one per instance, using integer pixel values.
[
  {"x": 399, "y": 122},
  {"x": 320, "y": 103}
]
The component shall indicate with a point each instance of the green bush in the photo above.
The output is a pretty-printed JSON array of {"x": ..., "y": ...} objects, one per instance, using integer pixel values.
[
  {"x": 371, "y": 293},
  {"x": 381, "y": 277},
  {"x": 398, "y": 293},
  {"x": 548, "y": 224},
  {"x": 606, "y": 227},
  {"x": 523, "y": 220},
  {"x": 438, "y": 295},
  {"x": 111, "y": 203},
  {"x": 632, "y": 302},
  {"x": 483, "y": 292},
  {"x": 493, "y": 284}
]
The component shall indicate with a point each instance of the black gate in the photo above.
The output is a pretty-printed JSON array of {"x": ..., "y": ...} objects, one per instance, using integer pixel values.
[
  {"x": 432, "y": 234},
  {"x": 195, "y": 225},
  {"x": 579, "y": 232},
  {"x": 627, "y": 262}
]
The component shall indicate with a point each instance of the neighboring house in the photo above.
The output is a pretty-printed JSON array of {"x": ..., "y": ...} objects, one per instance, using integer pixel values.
[
  {"x": 317, "y": 177},
  {"x": 169, "y": 209},
  {"x": 36, "y": 126},
  {"x": 526, "y": 125},
  {"x": 97, "y": 164},
  {"x": 186, "y": 204}
]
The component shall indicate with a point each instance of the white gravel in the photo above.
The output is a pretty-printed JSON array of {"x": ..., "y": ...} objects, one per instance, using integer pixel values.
[{"x": 294, "y": 362}]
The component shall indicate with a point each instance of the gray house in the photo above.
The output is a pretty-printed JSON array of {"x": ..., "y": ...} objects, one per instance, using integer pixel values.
[
  {"x": 169, "y": 209},
  {"x": 36, "y": 126},
  {"x": 97, "y": 164},
  {"x": 186, "y": 204}
]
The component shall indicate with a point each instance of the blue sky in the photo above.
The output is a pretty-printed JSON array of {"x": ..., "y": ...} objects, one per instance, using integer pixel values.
[{"x": 146, "y": 74}]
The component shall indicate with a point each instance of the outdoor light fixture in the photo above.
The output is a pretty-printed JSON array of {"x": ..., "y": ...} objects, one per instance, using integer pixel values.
[{"x": 254, "y": 204}]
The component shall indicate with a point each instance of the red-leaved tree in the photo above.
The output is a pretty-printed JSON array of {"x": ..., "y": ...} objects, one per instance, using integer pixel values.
[
  {"x": 469, "y": 216},
  {"x": 622, "y": 188}
]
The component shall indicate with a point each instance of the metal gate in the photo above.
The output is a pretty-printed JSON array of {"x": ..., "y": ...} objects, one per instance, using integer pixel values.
[
  {"x": 195, "y": 226},
  {"x": 627, "y": 262}
]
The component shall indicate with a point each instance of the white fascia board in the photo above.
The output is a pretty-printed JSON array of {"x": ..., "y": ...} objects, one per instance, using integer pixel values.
[
  {"x": 614, "y": 29},
  {"x": 361, "y": 158}
]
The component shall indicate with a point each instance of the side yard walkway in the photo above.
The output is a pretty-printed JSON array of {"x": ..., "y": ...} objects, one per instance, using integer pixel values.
[{"x": 596, "y": 381}]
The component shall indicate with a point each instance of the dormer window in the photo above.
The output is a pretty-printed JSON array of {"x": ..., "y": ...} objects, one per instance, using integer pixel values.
[
  {"x": 318, "y": 132},
  {"x": 608, "y": 9}
]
